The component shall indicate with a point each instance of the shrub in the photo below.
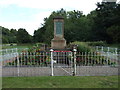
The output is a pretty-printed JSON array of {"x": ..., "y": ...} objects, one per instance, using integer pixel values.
[
  {"x": 39, "y": 44},
  {"x": 82, "y": 46},
  {"x": 97, "y": 43}
]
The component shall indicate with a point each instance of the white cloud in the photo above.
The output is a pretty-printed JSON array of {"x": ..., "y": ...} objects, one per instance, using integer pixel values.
[
  {"x": 109, "y": 0},
  {"x": 39, "y": 17},
  {"x": 118, "y": 2},
  {"x": 84, "y": 5}
]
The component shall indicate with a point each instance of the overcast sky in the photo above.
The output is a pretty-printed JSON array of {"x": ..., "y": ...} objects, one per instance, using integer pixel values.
[{"x": 29, "y": 14}]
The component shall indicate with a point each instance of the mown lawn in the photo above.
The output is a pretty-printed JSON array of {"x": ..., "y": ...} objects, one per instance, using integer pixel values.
[
  {"x": 18, "y": 46},
  {"x": 61, "y": 82}
]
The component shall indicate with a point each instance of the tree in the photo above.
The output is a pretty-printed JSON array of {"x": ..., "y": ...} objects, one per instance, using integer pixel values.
[
  {"x": 114, "y": 33},
  {"x": 107, "y": 15},
  {"x": 13, "y": 36},
  {"x": 23, "y": 36},
  {"x": 39, "y": 35}
]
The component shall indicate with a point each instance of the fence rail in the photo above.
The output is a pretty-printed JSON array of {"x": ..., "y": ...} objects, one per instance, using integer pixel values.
[
  {"x": 43, "y": 58},
  {"x": 15, "y": 60},
  {"x": 106, "y": 49},
  {"x": 97, "y": 59}
]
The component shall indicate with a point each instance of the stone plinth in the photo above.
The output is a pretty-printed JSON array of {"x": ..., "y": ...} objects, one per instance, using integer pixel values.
[{"x": 58, "y": 42}]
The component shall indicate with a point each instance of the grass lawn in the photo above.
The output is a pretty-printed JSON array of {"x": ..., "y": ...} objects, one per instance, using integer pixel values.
[
  {"x": 114, "y": 45},
  {"x": 61, "y": 82},
  {"x": 18, "y": 46}
]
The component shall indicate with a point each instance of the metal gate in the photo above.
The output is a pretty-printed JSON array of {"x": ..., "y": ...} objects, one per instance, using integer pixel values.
[{"x": 63, "y": 63}]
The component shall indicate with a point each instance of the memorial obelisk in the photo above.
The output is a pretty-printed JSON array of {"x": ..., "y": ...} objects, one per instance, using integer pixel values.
[{"x": 58, "y": 42}]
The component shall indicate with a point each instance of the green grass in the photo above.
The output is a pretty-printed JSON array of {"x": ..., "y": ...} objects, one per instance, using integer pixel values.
[
  {"x": 61, "y": 82},
  {"x": 18, "y": 46},
  {"x": 114, "y": 45}
]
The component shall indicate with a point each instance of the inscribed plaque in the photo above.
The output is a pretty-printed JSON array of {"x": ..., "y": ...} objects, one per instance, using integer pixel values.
[{"x": 58, "y": 28}]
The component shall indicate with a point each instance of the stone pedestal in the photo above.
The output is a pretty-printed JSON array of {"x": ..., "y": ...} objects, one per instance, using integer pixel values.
[{"x": 58, "y": 43}]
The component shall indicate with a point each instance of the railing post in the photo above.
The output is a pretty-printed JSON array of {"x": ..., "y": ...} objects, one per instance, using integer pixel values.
[
  {"x": 116, "y": 56},
  {"x": 102, "y": 49},
  {"x": 18, "y": 64},
  {"x": 51, "y": 50},
  {"x": 108, "y": 51},
  {"x": 97, "y": 48},
  {"x": 116, "y": 50},
  {"x": 74, "y": 52}
]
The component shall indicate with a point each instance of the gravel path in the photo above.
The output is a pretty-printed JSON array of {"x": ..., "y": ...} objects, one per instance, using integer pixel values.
[{"x": 59, "y": 71}]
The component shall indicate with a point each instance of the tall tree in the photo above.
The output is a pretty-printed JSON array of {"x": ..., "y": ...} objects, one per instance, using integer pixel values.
[
  {"x": 23, "y": 36},
  {"x": 13, "y": 35},
  {"x": 8, "y": 36},
  {"x": 39, "y": 35},
  {"x": 105, "y": 18}
]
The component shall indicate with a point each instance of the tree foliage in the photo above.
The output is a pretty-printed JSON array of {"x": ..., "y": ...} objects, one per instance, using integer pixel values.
[
  {"x": 108, "y": 16},
  {"x": 8, "y": 36},
  {"x": 23, "y": 36},
  {"x": 14, "y": 36}
]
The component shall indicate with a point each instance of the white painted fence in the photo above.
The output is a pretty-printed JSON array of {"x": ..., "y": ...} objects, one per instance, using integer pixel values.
[
  {"x": 58, "y": 62},
  {"x": 106, "y": 49}
]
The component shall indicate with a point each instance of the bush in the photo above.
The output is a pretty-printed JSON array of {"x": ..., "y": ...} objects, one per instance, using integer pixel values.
[
  {"x": 82, "y": 46},
  {"x": 39, "y": 44},
  {"x": 97, "y": 43}
]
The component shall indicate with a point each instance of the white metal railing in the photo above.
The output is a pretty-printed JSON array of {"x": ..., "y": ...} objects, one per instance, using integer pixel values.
[
  {"x": 106, "y": 49},
  {"x": 11, "y": 50},
  {"x": 36, "y": 58},
  {"x": 97, "y": 59},
  {"x": 64, "y": 59}
]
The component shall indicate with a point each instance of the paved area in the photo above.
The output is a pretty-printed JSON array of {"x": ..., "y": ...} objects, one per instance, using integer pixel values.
[{"x": 59, "y": 71}]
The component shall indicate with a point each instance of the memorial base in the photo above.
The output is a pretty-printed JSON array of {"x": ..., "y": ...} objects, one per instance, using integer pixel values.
[{"x": 58, "y": 43}]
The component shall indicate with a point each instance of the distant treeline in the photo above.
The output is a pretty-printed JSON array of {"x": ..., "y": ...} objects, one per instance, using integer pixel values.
[
  {"x": 102, "y": 24},
  {"x": 15, "y": 36}
]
